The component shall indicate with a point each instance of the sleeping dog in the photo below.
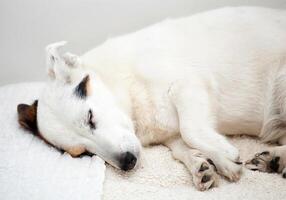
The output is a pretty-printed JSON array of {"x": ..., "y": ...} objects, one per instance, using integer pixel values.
[{"x": 183, "y": 83}]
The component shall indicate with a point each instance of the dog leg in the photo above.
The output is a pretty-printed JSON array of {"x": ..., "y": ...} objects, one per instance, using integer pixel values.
[
  {"x": 274, "y": 125},
  {"x": 202, "y": 169},
  {"x": 273, "y": 160},
  {"x": 196, "y": 127}
]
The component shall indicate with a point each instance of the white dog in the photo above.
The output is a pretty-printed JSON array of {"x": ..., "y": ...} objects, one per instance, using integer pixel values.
[{"x": 182, "y": 83}]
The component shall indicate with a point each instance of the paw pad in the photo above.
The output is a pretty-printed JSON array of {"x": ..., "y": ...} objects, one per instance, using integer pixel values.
[
  {"x": 264, "y": 162},
  {"x": 206, "y": 178},
  {"x": 204, "y": 167}
]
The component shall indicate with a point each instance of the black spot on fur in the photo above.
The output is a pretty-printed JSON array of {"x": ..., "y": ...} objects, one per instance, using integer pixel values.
[
  {"x": 284, "y": 175},
  {"x": 81, "y": 90},
  {"x": 206, "y": 178},
  {"x": 265, "y": 153},
  {"x": 274, "y": 164},
  {"x": 254, "y": 169},
  {"x": 254, "y": 161},
  {"x": 212, "y": 163},
  {"x": 204, "y": 167}
]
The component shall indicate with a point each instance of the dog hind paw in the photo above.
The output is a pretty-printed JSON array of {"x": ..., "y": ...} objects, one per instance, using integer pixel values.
[{"x": 265, "y": 161}]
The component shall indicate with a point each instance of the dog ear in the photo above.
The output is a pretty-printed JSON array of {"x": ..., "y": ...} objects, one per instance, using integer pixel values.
[
  {"x": 83, "y": 89},
  {"x": 27, "y": 117}
]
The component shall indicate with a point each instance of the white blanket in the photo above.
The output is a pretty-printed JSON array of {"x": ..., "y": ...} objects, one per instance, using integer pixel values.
[
  {"x": 31, "y": 170},
  {"x": 160, "y": 177}
]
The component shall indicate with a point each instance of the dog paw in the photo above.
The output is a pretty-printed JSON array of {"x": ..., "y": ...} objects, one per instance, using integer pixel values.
[
  {"x": 266, "y": 161},
  {"x": 205, "y": 176},
  {"x": 229, "y": 169}
]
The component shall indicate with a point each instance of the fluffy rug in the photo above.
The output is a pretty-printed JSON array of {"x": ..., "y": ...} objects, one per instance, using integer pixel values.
[
  {"x": 31, "y": 170},
  {"x": 161, "y": 177}
]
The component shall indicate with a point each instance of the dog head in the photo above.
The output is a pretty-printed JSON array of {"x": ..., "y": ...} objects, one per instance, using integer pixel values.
[{"x": 77, "y": 113}]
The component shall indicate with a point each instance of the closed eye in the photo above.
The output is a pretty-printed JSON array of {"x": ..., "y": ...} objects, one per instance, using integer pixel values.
[{"x": 91, "y": 122}]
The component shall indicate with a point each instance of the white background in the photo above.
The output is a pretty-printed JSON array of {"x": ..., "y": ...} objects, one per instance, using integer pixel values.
[{"x": 27, "y": 26}]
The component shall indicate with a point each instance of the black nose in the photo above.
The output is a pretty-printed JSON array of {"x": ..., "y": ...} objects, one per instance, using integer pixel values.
[{"x": 128, "y": 161}]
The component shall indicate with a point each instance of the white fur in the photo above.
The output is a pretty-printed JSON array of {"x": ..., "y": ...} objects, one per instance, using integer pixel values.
[{"x": 196, "y": 78}]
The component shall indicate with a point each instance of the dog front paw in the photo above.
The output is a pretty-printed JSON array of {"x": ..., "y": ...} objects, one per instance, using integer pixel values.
[
  {"x": 228, "y": 168},
  {"x": 205, "y": 176},
  {"x": 229, "y": 151}
]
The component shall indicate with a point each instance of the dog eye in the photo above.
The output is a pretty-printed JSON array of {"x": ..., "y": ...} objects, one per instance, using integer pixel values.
[{"x": 91, "y": 122}]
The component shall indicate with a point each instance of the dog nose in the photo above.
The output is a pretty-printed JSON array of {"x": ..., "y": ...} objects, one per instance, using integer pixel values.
[{"x": 128, "y": 161}]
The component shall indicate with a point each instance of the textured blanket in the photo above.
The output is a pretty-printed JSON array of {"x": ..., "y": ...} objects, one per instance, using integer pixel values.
[
  {"x": 30, "y": 169},
  {"x": 161, "y": 177}
]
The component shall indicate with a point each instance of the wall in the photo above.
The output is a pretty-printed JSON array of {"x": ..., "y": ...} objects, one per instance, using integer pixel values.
[{"x": 27, "y": 26}]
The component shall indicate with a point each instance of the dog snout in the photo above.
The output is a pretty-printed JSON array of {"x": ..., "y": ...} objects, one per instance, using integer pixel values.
[{"x": 128, "y": 161}]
